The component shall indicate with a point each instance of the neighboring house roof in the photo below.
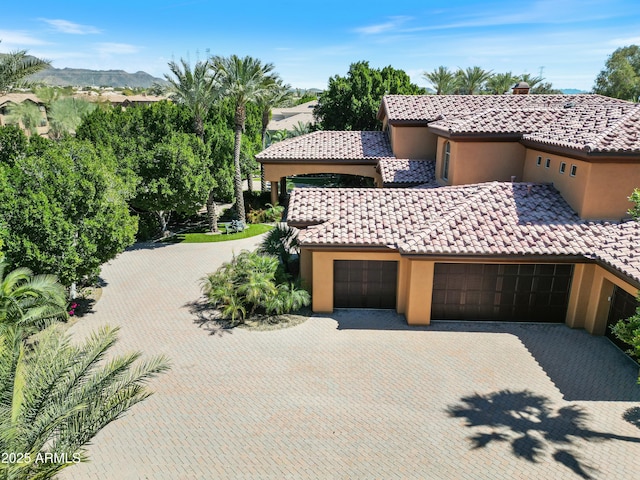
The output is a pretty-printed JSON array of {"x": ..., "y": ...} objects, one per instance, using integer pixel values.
[
  {"x": 18, "y": 98},
  {"x": 407, "y": 173},
  {"x": 286, "y": 118},
  {"x": 331, "y": 145},
  {"x": 490, "y": 219}
]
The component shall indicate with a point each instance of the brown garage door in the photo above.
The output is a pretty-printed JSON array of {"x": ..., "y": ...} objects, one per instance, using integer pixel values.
[
  {"x": 623, "y": 305},
  {"x": 519, "y": 292},
  {"x": 364, "y": 284}
]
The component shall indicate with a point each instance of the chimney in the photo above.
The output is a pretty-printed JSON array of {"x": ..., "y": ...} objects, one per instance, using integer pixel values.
[{"x": 521, "y": 88}]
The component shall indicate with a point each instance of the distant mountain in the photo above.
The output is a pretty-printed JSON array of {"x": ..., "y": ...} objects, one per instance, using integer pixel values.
[
  {"x": 80, "y": 77},
  {"x": 572, "y": 91}
]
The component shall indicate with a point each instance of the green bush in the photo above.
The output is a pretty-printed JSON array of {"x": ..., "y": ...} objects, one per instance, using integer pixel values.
[
  {"x": 252, "y": 284},
  {"x": 269, "y": 215}
]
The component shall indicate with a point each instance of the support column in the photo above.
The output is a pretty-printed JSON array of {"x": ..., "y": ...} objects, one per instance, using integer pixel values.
[
  {"x": 283, "y": 188},
  {"x": 274, "y": 193}
]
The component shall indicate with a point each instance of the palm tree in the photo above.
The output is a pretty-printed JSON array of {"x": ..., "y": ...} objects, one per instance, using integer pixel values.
[
  {"x": 66, "y": 114},
  {"x": 29, "y": 301},
  {"x": 196, "y": 90},
  {"x": 244, "y": 80},
  {"x": 16, "y": 66},
  {"x": 56, "y": 395},
  {"x": 472, "y": 79},
  {"x": 26, "y": 114},
  {"x": 442, "y": 79},
  {"x": 278, "y": 96},
  {"x": 500, "y": 83}
]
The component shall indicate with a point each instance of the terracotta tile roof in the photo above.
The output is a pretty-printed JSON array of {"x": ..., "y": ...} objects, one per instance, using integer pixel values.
[
  {"x": 590, "y": 123},
  {"x": 490, "y": 219},
  {"x": 331, "y": 145},
  {"x": 610, "y": 128},
  {"x": 619, "y": 248},
  {"x": 399, "y": 172},
  {"x": 428, "y": 108}
]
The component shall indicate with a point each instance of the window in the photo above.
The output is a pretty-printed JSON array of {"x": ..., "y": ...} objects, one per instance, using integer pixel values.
[
  {"x": 547, "y": 163},
  {"x": 563, "y": 167},
  {"x": 445, "y": 160},
  {"x": 574, "y": 168},
  {"x": 539, "y": 161}
]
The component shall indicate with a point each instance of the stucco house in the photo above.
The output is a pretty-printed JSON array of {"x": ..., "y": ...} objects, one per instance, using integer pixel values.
[{"x": 490, "y": 207}]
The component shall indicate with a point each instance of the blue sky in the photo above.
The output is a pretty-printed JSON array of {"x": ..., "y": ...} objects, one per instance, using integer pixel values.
[{"x": 308, "y": 42}]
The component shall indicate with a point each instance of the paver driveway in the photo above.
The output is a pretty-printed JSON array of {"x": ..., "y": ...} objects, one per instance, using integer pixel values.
[{"x": 357, "y": 394}]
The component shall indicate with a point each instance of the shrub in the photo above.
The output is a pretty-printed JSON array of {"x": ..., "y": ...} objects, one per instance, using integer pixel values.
[
  {"x": 251, "y": 284},
  {"x": 269, "y": 215}
]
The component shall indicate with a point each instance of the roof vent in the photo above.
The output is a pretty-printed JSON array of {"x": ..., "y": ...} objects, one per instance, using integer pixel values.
[{"x": 569, "y": 105}]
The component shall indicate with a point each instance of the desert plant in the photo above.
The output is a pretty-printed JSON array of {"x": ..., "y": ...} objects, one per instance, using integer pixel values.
[
  {"x": 251, "y": 285},
  {"x": 30, "y": 302},
  {"x": 281, "y": 242},
  {"x": 56, "y": 395}
]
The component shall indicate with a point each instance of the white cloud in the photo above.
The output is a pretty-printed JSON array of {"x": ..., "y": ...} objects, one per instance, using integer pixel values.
[
  {"x": 72, "y": 28},
  {"x": 109, "y": 48},
  {"x": 623, "y": 42},
  {"x": 392, "y": 24},
  {"x": 17, "y": 40}
]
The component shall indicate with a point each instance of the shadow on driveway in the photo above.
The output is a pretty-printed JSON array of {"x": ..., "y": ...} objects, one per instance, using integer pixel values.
[
  {"x": 530, "y": 426},
  {"x": 582, "y": 366}
]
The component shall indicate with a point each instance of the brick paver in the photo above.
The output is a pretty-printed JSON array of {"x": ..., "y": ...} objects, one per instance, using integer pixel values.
[{"x": 356, "y": 394}]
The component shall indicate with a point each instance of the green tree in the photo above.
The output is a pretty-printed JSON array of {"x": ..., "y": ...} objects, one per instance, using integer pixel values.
[
  {"x": 244, "y": 80},
  {"x": 628, "y": 330},
  {"x": 352, "y": 102},
  {"x": 442, "y": 80},
  {"x": 56, "y": 395},
  {"x": 174, "y": 177},
  {"x": 471, "y": 80},
  {"x": 66, "y": 114},
  {"x": 16, "y": 66},
  {"x": 26, "y": 114},
  {"x": 13, "y": 144},
  {"x": 64, "y": 209},
  {"x": 620, "y": 77},
  {"x": 500, "y": 83}
]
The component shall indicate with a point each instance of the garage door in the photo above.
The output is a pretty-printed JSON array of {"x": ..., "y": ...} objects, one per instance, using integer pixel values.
[
  {"x": 525, "y": 292},
  {"x": 364, "y": 284},
  {"x": 623, "y": 305}
]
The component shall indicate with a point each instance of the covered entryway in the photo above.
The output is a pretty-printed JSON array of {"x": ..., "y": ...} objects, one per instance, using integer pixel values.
[
  {"x": 503, "y": 292},
  {"x": 365, "y": 283},
  {"x": 623, "y": 305}
]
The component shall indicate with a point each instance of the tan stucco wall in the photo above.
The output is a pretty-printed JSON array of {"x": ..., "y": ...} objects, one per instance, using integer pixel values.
[
  {"x": 275, "y": 171},
  {"x": 572, "y": 189},
  {"x": 609, "y": 186},
  {"x": 413, "y": 142},
  {"x": 598, "y": 191},
  {"x": 476, "y": 162},
  {"x": 322, "y": 274},
  {"x": 590, "y": 301},
  {"x": 417, "y": 296}
]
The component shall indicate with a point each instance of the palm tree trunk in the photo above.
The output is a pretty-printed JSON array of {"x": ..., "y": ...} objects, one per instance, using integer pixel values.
[
  {"x": 238, "y": 176},
  {"x": 263, "y": 180},
  {"x": 212, "y": 212}
]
